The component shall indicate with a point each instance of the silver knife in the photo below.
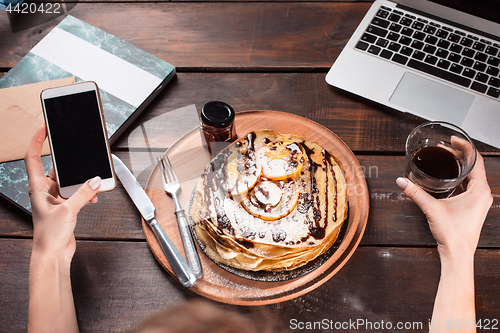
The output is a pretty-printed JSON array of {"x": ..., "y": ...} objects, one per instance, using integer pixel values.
[{"x": 147, "y": 210}]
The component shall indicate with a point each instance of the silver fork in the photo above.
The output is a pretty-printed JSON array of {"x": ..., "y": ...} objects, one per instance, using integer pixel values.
[{"x": 171, "y": 185}]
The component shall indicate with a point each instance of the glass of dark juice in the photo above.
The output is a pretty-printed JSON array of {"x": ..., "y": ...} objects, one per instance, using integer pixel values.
[{"x": 439, "y": 156}]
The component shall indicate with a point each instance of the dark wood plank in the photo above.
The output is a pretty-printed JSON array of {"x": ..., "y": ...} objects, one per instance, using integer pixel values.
[
  {"x": 280, "y": 0},
  {"x": 135, "y": 1},
  {"x": 393, "y": 220},
  {"x": 242, "y": 36},
  {"x": 114, "y": 217},
  {"x": 363, "y": 126},
  {"x": 14, "y": 265},
  {"x": 118, "y": 284},
  {"x": 366, "y": 127}
]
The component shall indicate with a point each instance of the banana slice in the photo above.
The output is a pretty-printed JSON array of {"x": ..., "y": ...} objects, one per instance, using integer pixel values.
[
  {"x": 268, "y": 194},
  {"x": 271, "y": 200},
  {"x": 281, "y": 160},
  {"x": 242, "y": 173}
]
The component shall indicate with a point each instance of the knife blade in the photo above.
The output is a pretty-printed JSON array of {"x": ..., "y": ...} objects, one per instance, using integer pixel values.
[{"x": 147, "y": 210}]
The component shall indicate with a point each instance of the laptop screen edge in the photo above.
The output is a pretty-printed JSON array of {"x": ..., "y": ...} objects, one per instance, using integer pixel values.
[{"x": 454, "y": 15}]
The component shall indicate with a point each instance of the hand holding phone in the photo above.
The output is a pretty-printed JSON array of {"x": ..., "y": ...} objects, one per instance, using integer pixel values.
[{"x": 77, "y": 137}]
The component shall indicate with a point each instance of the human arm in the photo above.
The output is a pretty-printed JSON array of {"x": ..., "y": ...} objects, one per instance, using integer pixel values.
[
  {"x": 51, "y": 305},
  {"x": 456, "y": 224}
]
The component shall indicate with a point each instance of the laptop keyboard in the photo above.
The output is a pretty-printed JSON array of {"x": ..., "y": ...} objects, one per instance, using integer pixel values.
[{"x": 433, "y": 48}]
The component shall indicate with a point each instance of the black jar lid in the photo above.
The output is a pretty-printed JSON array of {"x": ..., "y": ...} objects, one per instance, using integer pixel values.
[{"x": 217, "y": 114}]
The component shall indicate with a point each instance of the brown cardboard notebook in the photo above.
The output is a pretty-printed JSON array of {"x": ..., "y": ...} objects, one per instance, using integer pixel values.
[
  {"x": 21, "y": 115},
  {"x": 128, "y": 78}
]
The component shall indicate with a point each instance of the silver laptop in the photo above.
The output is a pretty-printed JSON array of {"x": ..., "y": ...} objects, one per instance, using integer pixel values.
[{"x": 426, "y": 58}]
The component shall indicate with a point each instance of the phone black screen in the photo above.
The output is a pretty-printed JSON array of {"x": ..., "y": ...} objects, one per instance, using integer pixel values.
[{"x": 78, "y": 141}]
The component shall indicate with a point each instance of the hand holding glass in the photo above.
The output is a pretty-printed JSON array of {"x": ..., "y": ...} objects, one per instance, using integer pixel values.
[{"x": 439, "y": 156}]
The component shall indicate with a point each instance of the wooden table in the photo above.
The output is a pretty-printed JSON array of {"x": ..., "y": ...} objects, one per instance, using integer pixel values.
[{"x": 252, "y": 55}]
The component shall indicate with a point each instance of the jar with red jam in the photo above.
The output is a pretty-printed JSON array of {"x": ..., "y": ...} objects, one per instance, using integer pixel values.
[{"x": 217, "y": 125}]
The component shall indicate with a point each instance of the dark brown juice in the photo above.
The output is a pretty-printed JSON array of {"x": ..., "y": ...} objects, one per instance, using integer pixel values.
[{"x": 437, "y": 162}]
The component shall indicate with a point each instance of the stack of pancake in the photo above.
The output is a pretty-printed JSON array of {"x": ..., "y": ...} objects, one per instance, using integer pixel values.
[{"x": 269, "y": 201}]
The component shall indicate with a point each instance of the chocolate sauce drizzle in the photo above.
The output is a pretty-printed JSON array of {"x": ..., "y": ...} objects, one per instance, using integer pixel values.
[
  {"x": 279, "y": 235},
  {"x": 327, "y": 158},
  {"x": 213, "y": 185},
  {"x": 305, "y": 202},
  {"x": 294, "y": 150},
  {"x": 313, "y": 166},
  {"x": 215, "y": 192},
  {"x": 251, "y": 141}
]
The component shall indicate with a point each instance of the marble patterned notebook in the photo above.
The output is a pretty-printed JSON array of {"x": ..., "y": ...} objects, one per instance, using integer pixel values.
[{"x": 128, "y": 78}]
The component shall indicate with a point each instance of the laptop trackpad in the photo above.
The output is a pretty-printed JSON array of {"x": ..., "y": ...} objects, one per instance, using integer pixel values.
[{"x": 432, "y": 100}]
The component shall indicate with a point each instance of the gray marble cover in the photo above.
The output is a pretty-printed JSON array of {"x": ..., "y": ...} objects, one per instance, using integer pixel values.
[{"x": 118, "y": 113}]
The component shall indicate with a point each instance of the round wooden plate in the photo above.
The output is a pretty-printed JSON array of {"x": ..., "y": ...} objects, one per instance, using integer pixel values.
[{"x": 189, "y": 158}]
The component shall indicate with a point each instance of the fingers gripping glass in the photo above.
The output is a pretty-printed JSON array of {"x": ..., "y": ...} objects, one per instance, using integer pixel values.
[{"x": 439, "y": 156}]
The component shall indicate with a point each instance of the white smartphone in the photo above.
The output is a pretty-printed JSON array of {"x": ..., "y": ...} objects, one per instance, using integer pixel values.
[{"x": 77, "y": 137}]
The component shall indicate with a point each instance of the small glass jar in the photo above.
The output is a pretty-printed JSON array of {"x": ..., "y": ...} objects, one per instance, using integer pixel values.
[{"x": 217, "y": 125}]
